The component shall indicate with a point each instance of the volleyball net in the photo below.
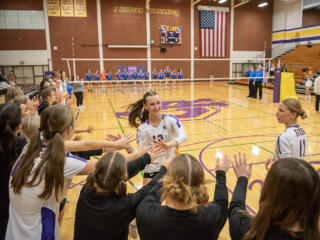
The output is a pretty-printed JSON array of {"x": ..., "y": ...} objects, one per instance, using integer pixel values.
[{"x": 197, "y": 69}]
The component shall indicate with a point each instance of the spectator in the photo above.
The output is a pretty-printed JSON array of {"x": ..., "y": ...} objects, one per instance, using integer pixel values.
[{"x": 12, "y": 93}]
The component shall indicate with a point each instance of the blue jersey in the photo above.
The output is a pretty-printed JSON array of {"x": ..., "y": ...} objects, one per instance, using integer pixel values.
[
  {"x": 125, "y": 76},
  {"x": 118, "y": 75},
  {"x": 180, "y": 75},
  {"x": 251, "y": 75},
  {"x": 154, "y": 75},
  {"x": 259, "y": 74},
  {"x": 135, "y": 75},
  {"x": 69, "y": 88},
  {"x": 96, "y": 76},
  {"x": 161, "y": 75},
  {"x": 89, "y": 76},
  {"x": 146, "y": 75},
  {"x": 140, "y": 76},
  {"x": 109, "y": 76},
  {"x": 167, "y": 73},
  {"x": 174, "y": 75}
]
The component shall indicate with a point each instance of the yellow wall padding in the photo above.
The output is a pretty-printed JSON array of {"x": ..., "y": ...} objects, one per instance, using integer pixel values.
[{"x": 288, "y": 86}]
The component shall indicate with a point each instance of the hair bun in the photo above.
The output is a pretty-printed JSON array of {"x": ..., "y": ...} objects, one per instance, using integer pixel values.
[{"x": 303, "y": 114}]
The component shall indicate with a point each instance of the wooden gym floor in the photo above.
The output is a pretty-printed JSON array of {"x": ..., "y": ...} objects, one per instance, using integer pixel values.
[{"x": 218, "y": 118}]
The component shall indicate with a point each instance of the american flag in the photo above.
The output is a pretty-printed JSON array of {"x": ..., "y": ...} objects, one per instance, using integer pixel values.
[{"x": 213, "y": 25}]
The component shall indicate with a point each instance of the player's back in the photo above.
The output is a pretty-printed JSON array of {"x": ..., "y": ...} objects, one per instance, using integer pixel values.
[{"x": 292, "y": 143}]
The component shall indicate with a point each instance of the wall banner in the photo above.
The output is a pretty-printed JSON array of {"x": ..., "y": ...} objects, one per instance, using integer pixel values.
[
  {"x": 53, "y": 8},
  {"x": 80, "y": 8},
  {"x": 66, "y": 8}
]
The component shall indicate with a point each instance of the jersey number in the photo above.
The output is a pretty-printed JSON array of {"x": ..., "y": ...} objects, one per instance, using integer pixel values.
[
  {"x": 302, "y": 148},
  {"x": 158, "y": 137}
]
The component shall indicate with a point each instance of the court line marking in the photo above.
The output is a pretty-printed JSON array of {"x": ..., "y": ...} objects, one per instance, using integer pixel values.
[
  {"x": 114, "y": 113},
  {"x": 226, "y": 130},
  {"x": 226, "y": 146},
  {"x": 267, "y": 150},
  {"x": 213, "y": 175}
]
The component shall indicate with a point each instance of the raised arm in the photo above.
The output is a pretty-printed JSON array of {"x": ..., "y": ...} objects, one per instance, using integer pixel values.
[
  {"x": 74, "y": 146},
  {"x": 221, "y": 193},
  {"x": 239, "y": 222}
]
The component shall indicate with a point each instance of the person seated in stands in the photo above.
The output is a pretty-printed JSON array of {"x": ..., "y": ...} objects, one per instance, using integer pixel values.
[
  {"x": 12, "y": 79},
  {"x": 23, "y": 99},
  {"x": 48, "y": 97},
  {"x": 3, "y": 82},
  {"x": 12, "y": 93}
]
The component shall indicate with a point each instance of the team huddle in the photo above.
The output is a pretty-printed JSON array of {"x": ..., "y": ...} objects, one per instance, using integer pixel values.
[{"x": 173, "y": 202}]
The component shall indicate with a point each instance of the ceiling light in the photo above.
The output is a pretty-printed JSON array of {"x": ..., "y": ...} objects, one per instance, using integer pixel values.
[
  {"x": 222, "y": 1},
  {"x": 263, "y": 4}
]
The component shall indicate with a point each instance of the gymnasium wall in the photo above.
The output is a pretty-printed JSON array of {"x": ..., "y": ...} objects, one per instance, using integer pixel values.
[
  {"x": 22, "y": 39},
  {"x": 311, "y": 17},
  {"x": 78, "y": 36},
  {"x": 252, "y": 27},
  {"x": 68, "y": 35}
]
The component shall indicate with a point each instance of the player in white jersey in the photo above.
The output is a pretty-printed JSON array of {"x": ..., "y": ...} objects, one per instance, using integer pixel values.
[
  {"x": 43, "y": 173},
  {"x": 155, "y": 127},
  {"x": 292, "y": 142},
  {"x": 41, "y": 176}
]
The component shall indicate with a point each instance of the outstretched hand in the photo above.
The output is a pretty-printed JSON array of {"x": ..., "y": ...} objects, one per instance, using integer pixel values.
[
  {"x": 90, "y": 129},
  {"x": 167, "y": 160},
  {"x": 155, "y": 152},
  {"x": 162, "y": 144},
  {"x": 223, "y": 164},
  {"x": 269, "y": 161},
  {"x": 111, "y": 137},
  {"x": 124, "y": 141},
  {"x": 240, "y": 166}
]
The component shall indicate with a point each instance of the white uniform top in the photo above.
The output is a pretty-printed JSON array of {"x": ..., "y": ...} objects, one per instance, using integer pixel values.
[
  {"x": 32, "y": 218},
  {"x": 169, "y": 128},
  {"x": 316, "y": 87},
  {"x": 291, "y": 143}
]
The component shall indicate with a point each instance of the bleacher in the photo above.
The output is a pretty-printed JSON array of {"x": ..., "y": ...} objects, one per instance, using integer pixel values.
[
  {"x": 296, "y": 60},
  {"x": 302, "y": 57}
]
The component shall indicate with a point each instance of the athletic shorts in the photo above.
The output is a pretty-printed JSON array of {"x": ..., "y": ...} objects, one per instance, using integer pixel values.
[{"x": 308, "y": 83}]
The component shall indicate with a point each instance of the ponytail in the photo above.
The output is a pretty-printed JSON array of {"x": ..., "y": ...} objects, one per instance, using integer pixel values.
[
  {"x": 137, "y": 114},
  {"x": 54, "y": 121},
  {"x": 303, "y": 114},
  {"x": 54, "y": 159},
  {"x": 294, "y": 106}
]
